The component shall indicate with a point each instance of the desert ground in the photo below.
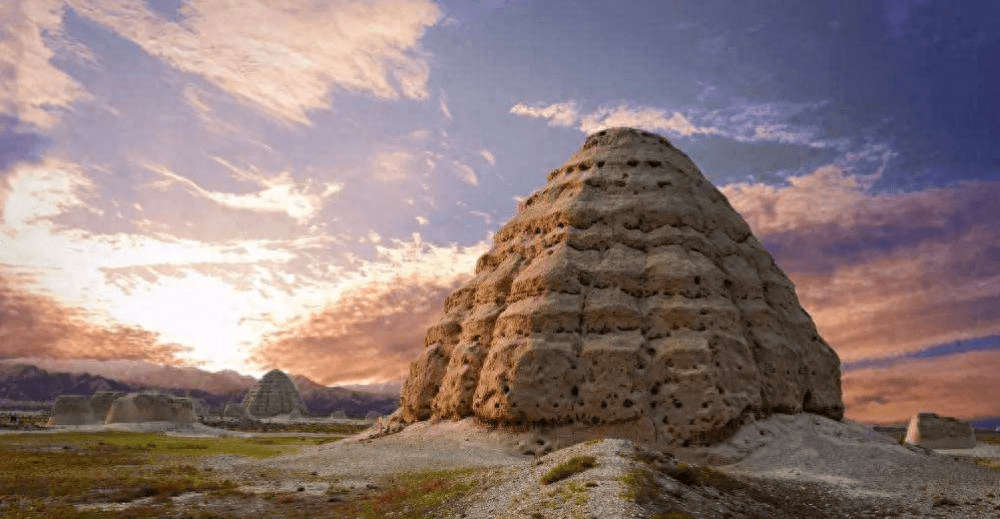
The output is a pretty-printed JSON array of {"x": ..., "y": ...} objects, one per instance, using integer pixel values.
[{"x": 784, "y": 466}]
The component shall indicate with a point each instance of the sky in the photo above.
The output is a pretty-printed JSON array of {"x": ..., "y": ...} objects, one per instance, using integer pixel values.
[{"x": 300, "y": 183}]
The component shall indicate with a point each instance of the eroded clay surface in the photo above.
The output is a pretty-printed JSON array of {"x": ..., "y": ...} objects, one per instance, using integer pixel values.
[
  {"x": 940, "y": 432},
  {"x": 82, "y": 409},
  {"x": 626, "y": 294},
  {"x": 151, "y": 407}
]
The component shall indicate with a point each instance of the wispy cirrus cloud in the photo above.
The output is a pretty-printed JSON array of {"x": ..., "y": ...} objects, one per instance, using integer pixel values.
[
  {"x": 742, "y": 121},
  {"x": 36, "y": 192},
  {"x": 32, "y": 88},
  {"x": 279, "y": 194},
  {"x": 284, "y": 58}
]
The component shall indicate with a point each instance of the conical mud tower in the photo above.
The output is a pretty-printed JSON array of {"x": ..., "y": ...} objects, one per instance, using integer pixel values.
[
  {"x": 275, "y": 394},
  {"x": 627, "y": 294}
]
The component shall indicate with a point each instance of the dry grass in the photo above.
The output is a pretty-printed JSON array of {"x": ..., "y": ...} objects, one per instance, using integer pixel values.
[
  {"x": 574, "y": 465},
  {"x": 414, "y": 495},
  {"x": 704, "y": 477},
  {"x": 988, "y": 438},
  {"x": 49, "y": 475}
]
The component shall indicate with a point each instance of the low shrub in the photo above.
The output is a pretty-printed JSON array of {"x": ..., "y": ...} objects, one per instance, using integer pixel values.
[{"x": 574, "y": 465}]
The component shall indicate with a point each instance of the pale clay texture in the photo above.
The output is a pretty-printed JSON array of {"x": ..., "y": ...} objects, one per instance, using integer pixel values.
[
  {"x": 626, "y": 298},
  {"x": 82, "y": 409},
  {"x": 151, "y": 407},
  {"x": 275, "y": 394},
  {"x": 940, "y": 432}
]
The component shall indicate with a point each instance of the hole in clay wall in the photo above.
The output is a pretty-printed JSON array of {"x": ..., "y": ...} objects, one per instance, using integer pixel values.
[
  {"x": 600, "y": 163},
  {"x": 632, "y": 163},
  {"x": 653, "y": 163}
]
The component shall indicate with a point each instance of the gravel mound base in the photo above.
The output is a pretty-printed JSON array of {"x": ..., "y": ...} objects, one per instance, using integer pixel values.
[{"x": 783, "y": 467}]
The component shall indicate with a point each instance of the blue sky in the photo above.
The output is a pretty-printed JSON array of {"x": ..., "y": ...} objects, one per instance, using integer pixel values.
[{"x": 298, "y": 184}]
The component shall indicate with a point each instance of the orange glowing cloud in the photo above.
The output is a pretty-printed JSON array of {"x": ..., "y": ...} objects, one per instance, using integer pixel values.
[
  {"x": 370, "y": 333},
  {"x": 883, "y": 274},
  {"x": 37, "y": 325},
  {"x": 966, "y": 385}
]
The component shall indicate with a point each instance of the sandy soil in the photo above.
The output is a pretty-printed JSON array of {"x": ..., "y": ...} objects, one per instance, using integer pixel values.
[{"x": 785, "y": 466}]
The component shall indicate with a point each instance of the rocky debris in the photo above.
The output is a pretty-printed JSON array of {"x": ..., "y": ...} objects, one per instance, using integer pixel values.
[
  {"x": 151, "y": 407},
  {"x": 82, "y": 409},
  {"x": 626, "y": 299},
  {"x": 275, "y": 394},
  {"x": 931, "y": 431}
]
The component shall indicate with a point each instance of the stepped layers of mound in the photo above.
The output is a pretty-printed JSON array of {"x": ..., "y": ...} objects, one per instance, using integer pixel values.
[
  {"x": 625, "y": 294},
  {"x": 275, "y": 394}
]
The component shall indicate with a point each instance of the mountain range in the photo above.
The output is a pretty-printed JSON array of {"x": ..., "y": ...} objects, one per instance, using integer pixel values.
[{"x": 29, "y": 386}]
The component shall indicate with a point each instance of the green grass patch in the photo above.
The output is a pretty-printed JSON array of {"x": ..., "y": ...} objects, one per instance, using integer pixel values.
[
  {"x": 573, "y": 490},
  {"x": 414, "y": 495},
  {"x": 151, "y": 443},
  {"x": 990, "y": 439},
  {"x": 640, "y": 486},
  {"x": 574, "y": 465},
  {"x": 47, "y": 475}
]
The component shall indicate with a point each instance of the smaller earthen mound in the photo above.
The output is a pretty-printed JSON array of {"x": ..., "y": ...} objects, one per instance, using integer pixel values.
[
  {"x": 235, "y": 411},
  {"x": 372, "y": 416},
  {"x": 151, "y": 407},
  {"x": 72, "y": 410},
  {"x": 275, "y": 394},
  {"x": 940, "y": 432},
  {"x": 82, "y": 409},
  {"x": 338, "y": 415}
]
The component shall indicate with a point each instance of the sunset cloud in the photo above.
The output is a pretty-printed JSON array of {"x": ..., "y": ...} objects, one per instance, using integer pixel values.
[
  {"x": 278, "y": 194},
  {"x": 38, "y": 325},
  {"x": 883, "y": 274},
  {"x": 374, "y": 323},
  {"x": 284, "y": 58},
  {"x": 965, "y": 386},
  {"x": 32, "y": 88},
  {"x": 37, "y": 191}
]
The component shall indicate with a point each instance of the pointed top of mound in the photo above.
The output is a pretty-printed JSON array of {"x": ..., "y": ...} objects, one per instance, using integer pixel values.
[
  {"x": 626, "y": 294},
  {"x": 275, "y": 394}
]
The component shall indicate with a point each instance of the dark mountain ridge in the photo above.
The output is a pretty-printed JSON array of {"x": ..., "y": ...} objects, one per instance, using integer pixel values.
[{"x": 27, "y": 386}]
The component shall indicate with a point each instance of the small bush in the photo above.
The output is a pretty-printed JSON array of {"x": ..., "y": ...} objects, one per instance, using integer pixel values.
[
  {"x": 641, "y": 486},
  {"x": 673, "y": 515},
  {"x": 704, "y": 477},
  {"x": 940, "y": 500},
  {"x": 574, "y": 465}
]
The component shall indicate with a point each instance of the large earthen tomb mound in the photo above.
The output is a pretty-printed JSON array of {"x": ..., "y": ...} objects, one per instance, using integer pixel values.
[{"x": 626, "y": 296}]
